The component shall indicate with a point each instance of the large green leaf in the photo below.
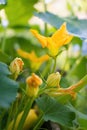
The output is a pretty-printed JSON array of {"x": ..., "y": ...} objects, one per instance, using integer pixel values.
[
  {"x": 81, "y": 118},
  {"x": 8, "y": 87},
  {"x": 55, "y": 111},
  {"x": 75, "y": 26},
  {"x": 19, "y": 11},
  {"x": 79, "y": 69}
]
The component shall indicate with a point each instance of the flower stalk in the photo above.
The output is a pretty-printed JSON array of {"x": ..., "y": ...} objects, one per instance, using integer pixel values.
[
  {"x": 54, "y": 66},
  {"x": 26, "y": 111},
  {"x": 45, "y": 24},
  {"x": 4, "y": 41},
  {"x": 39, "y": 122}
]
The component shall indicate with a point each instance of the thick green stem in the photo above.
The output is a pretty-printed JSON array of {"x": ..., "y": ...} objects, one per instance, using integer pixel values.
[
  {"x": 46, "y": 69},
  {"x": 54, "y": 66},
  {"x": 39, "y": 123},
  {"x": 45, "y": 29},
  {"x": 25, "y": 113},
  {"x": 9, "y": 116},
  {"x": 4, "y": 41},
  {"x": 45, "y": 24},
  {"x": 18, "y": 110}
]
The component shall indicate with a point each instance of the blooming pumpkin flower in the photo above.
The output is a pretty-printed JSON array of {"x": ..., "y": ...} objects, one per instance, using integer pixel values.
[
  {"x": 33, "y": 83},
  {"x": 59, "y": 38},
  {"x": 36, "y": 62}
]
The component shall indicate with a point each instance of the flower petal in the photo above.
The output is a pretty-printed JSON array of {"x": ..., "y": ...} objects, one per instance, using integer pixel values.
[
  {"x": 23, "y": 54},
  {"x": 42, "y": 39},
  {"x": 61, "y": 36}
]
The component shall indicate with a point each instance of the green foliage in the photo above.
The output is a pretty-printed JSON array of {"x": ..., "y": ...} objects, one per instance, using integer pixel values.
[
  {"x": 75, "y": 26},
  {"x": 19, "y": 11},
  {"x": 20, "y": 41},
  {"x": 79, "y": 69},
  {"x": 72, "y": 66},
  {"x": 81, "y": 118},
  {"x": 55, "y": 111},
  {"x": 4, "y": 57},
  {"x": 77, "y": 40},
  {"x": 8, "y": 87}
]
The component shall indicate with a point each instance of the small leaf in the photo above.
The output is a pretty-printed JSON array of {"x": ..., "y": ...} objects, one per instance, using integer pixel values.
[
  {"x": 8, "y": 87},
  {"x": 55, "y": 111}
]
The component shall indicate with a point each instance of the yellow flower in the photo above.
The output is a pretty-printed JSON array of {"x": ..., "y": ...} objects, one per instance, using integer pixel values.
[
  {"x": 16, "y": 66},
  {"x": 33, "y": 83},
  {"x": 59, "y": 38},
  {"x": 36, "y": 62},
  {"x": 29, "y": 122},
  {"x": 72, "y": 90}
]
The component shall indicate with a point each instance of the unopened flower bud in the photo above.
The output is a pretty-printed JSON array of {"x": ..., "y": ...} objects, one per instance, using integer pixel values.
[
  {"x": 33, "y": 83},
  {"x": 53, "y": 79},
  {"x": 16, "y": 67}
]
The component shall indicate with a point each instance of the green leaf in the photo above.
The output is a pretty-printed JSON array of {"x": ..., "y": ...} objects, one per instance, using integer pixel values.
[
  {"x": 24, "y": 43},
  {"x": 79, "y": 69},
  {"x": 19, "y": 11},
  {"x": 55, "y": 111},
  {"x": 81, "y": 118},
  {"x": 77, "y": 40},
  {"x": 75, "y": 26},
  {"x": 8, "y": 87},
  {"x": 4, "y": 57}
]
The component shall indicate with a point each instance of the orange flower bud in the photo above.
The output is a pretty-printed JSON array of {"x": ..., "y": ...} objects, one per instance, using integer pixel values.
[
  {"x": 33, "y": 83},
  {"x": 16, "y": 67}
]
